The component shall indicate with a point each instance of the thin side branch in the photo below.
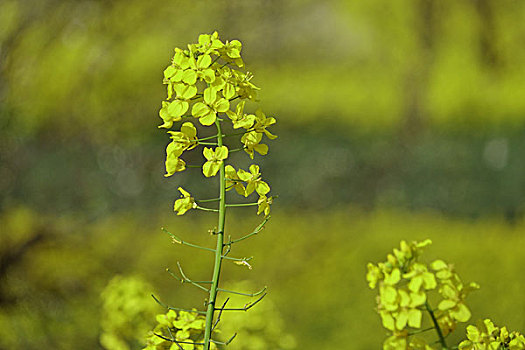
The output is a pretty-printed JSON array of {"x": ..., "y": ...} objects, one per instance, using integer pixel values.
[
  {"x": 175, "y": 308},
  {"x": 246, "y": 307},
  {"x": 207, "y": 138},
  {"x": 220, "y": 314},
  {"x": 244, "y": 294},
  {"x": 178, "y": 240},
  {"x": 237, "y": 149},
  {"x": 178, "y": 342},
  {"x": 241, "y": 205},
  {"x": 170, "y": 340},
  {"x": 256, "y": 231},
  {"x": 436, "y": 326},
  {"x": 186, "y": 279},
  {"x": 208, "y": 200},
  {"x": 182, "y": 280},
  {"x": 226, "y": 342},
  {"x": 206, "y": 209}
]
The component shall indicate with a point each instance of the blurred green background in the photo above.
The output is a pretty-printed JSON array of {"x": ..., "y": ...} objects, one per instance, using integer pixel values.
[{"x": 396, "y": 120}]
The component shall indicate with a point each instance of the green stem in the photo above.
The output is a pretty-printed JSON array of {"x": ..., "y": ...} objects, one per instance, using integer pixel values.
[
  {"x": 206, "y": 209},
  {"x": 207, "y": 138},
  {"x": 241, "y": 205},
  {"x": 218, "y": 251},
  {"x": 207, "y": 200},
  {"x": 239, "y": 133},
  {"x": 436, "y": 326}
]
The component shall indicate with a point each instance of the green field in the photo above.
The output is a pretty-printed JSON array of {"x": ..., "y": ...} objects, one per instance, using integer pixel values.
[{"x": 314, "y": 268}]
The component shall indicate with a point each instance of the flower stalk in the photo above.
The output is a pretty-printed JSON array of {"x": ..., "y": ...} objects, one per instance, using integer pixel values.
[
  {"x": 219, "y": 249},
  {"x": 204, "y": 82}
]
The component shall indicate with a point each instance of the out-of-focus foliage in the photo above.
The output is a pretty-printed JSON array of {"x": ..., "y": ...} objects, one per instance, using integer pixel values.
[
  {"x": 127, "y": 311},
  {"x": 405, "y": 295},
  {"x": 314, "y": 269},
  {"x": 487, "y": 336},
  {"x": 416, "y": 103},
  {"x": 186, "y": 328},
  {"x": 84, "y": 63},
  {"x": 260, "y": 329}
]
